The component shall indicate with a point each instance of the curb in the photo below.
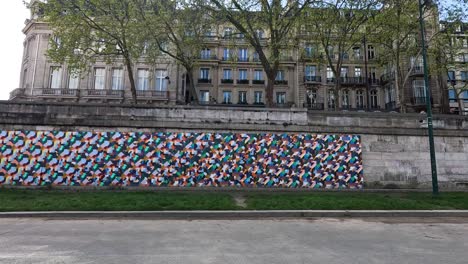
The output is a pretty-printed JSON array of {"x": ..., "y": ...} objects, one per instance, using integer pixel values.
[{"x": 207, "y": 215}]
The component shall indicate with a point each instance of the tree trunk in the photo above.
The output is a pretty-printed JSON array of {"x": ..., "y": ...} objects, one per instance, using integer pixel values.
[
  {"x": 460, "y": 104},
  {"x": 128, "y": 63},
  {"x": 193, "y": 95},
  {"x": 269, "y": 92}
]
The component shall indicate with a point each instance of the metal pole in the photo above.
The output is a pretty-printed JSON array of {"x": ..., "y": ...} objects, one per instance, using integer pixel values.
[{"x": 435, "y": 184}]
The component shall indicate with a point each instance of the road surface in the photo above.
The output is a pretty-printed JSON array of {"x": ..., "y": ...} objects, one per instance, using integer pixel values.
[{"x": 239, "y": 241}]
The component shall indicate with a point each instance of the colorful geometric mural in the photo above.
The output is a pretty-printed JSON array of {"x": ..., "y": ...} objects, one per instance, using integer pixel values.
[{"x": 35, "y": 158}]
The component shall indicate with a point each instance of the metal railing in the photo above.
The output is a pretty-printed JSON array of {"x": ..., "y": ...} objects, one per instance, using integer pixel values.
[
  {"x": 258, "y": 81},
  {"x": 243, "y": 82},
  {"x": 55, "y": 92},
  {"x": 308, "y": 79},
  {"x": 281, "y": 82},
  {"x": 204, "y": 80},
  {"x": 352, "y": 80}
]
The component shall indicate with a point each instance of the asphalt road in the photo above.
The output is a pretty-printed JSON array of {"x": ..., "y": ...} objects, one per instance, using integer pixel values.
[{"x": 240, "y": 241}]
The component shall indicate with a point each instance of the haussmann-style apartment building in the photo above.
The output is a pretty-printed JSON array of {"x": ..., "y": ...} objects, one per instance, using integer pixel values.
[{"x": 229, "y": 72}]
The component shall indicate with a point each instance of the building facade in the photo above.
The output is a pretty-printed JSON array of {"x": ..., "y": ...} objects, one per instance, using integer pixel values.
[{"x": 228, "y": 72}]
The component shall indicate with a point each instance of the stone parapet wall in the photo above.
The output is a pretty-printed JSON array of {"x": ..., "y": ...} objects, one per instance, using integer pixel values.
[{"x": 394, "y": 146}]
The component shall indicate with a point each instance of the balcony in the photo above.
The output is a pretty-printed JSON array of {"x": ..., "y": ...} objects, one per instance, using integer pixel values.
[
  {"x": 20, "y": 92},
  {"x": 385, "y": 78},
  {"x": 374, "y": 81},
  {"x": 311, "y": 56},
  {"x": 419, "y": 100},
  {"x": 331, "y": 80},
  {"x": 243, "y": 82},
  {"x": 118, "y": 94},
  {"x": 281, "y": 82},
  {"x": 312, "y": 79},
  {"x": 153, "y": 95},
  {"x": 48, "y": 92},
  {"x": 227, "y": 81},
  {"x": 244, "y": 59},
  {"x": 206, "y": 57},
  {"x": 286, "y": 58},
  {"x": 203, "y": 80},
  {"x": 315, "y": 106},
  {"x": 358, "y": 57},
  {"x": 416, "y": 70},
  {"x": 353, "y": 80},
  {"x": 258, "y": 82}
]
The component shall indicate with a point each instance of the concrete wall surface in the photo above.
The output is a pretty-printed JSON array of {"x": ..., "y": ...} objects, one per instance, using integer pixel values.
[{"x": 394, "y": 146}]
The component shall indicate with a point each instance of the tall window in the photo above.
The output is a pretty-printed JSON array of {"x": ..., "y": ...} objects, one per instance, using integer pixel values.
[
  {"x": 309, "y": 50},
  {"x": 242, "y": 74},
  {"x": 205, "y": 54},
  {"x": 204, "y": 96},
  {"x": 143, "y": 79},
  {"x": 419, "y": 89},
  {"x": 226, "y": 54},
  {"x": 258, "y": 96},
  {"x": 344, "y": 72},
  {"x": 370, "y": 52},
  {"x": 99, "y": 78},
  {"x": 464, "y": 75},
  {"x": 373, "y": 99},
  {"x": 310, "y": 71},
  {"x": 345, "y": 99},
  {"x": 330, "y": 74},
  {"x": 373, "y": 73},
  {"x": 280, "y": 97},
  {"x": 242, "y": 97},
  {"x": 256, "y": 56},
  {"x": 331, "y": 99},
  {"x": 243, "y": 55},
  {"x": 451, "y": 75},
  {"x": 312, "y": 96},
  {"x": 55, "y": 78},
  {"x": 452, "y": 96},
  {"x": 258, "y": 75},
  {"x": 227, "y": 97},
  {"x": 161, "y": 80},
  {"x": 73, "y": 81},
  {"x": 357, "y": 52},
  {"x": 227, "y": 74},
  {"x": 360, "y": 99},
  {"x": 357, "y": 72},
  {"x": 117, "y": 79},
  {"x": 280, "y": 76},
  {"x": 204, "y": 73},
  {"x": 259, "y": 33}
]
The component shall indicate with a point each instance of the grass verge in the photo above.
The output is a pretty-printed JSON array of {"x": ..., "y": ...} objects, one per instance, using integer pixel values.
[
  {"x": 357, "y": 201},
  {"x": 59, "y": 200},
  {"x": 56, "y": 200}
]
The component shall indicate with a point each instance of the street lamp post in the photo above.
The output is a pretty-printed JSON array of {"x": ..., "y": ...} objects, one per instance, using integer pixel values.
[{"x": 435, "y": 184}]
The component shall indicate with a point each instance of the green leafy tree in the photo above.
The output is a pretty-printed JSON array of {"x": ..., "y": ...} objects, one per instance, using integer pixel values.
[
  {"x": 87, "y": 31},
  {"x": 268, "y": 26},
  {"x": 178, "y": 29},
  {"x": 338, "y": 26}
]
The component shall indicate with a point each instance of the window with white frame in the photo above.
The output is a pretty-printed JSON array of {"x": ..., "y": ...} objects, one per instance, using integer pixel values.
[
  {"x": 143, "y": 79},
  {"x": 242, "y": 74},
  {"x": 117, "y": 79},
  {"x": 243, "y": 54},
  {"x": 280, "y": 75},
  {"x": 204, "y": 96},
  {"x": 312, "y": 96},
  {"x": 359, "y": 98},
  {"x": 161, "y": 80},
  {"x": 258, "y": 97},
  {"x": 310, "y": 71},
  {"x": 344, "y": 72},
  {"x": 227, "y": 74},
  {"x": 73, "y": 80},
  {"x": 331, "y": 99},
  {"x": 99, "y": 78},
  {"x": 309, "y": 50},
  {"x": 226, "y": 54},
  {"x": 204, "y": 73},
  {"x": 370, "y": 52},
  {"x": 258, "y": 75},
  {"x": 206, "y": 54},
  {"x": 374, "y": 99},
  {"x": 55, "y": 81},
  {"x": 345, "y": 99},
  {"x": 280, "y": 97},
  {"x": 227, "y": 32},
  {"x": 242, "y": 97},
  {"x": 227, "y": 97},
  {"x": 357, "y": 72},
  {"x": 330, "y": 74},
  {"x": 419, "y": 89}
]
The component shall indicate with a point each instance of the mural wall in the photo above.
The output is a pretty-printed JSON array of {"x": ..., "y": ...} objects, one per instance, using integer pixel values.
[{"x": 35, "y": 158}]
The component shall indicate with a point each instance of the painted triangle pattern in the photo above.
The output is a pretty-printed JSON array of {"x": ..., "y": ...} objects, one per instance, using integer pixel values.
[{"x": 38, "y": 158}]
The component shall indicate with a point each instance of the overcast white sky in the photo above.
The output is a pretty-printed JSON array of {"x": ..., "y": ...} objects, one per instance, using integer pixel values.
[{"x": 13, "y": 13}]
